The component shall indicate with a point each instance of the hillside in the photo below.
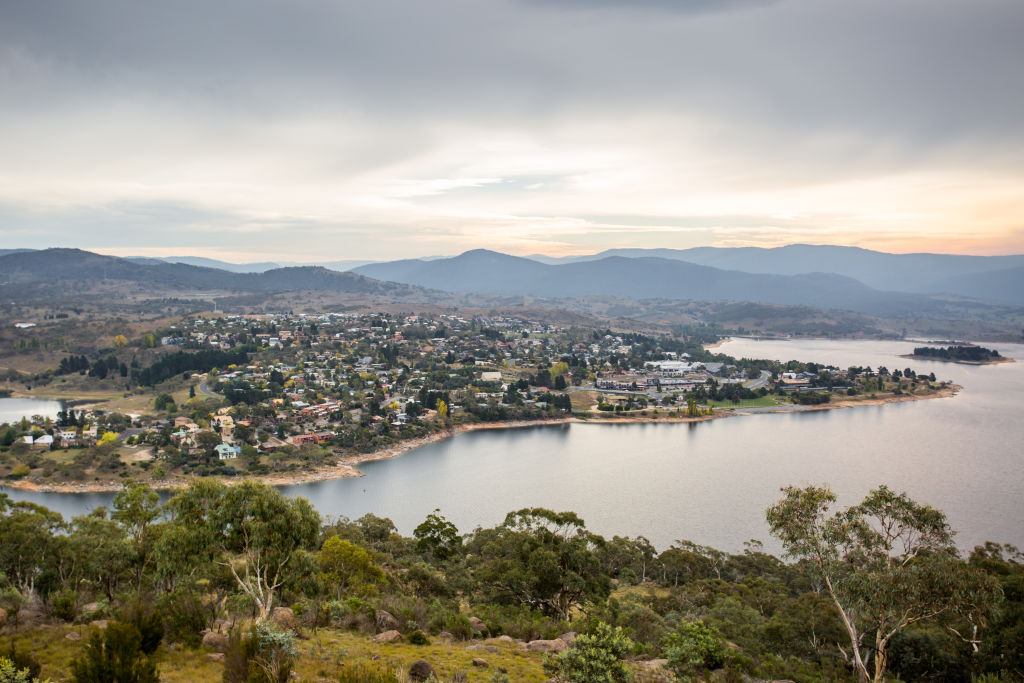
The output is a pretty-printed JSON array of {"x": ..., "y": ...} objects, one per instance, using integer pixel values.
[{"x": 61, "y": 266}]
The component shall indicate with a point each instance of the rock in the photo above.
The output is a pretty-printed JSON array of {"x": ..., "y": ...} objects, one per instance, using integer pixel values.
[
  {"x": 482, "y": 663},
  {"x": 385, "y": 621},
  {"x": 555, "y": 645},
  {"x": 73, "y": 635},
  {"x": 218, "y": 642},
  {"x": 99, "y": 623},
  {"x": 653, "y": 665},
  {"x": 504, "y": 639},
  {"x": 445, "y": 635},
  {"x": 420, "y": 671},
  {"x": 285, "y": 618},
  {"x": 569, "y": 637},
  {"x": 215, "y": 656},
  {"x": 387, "y": 637},
  {"x": 477, "y": 625},
  {"x": 90, "y": 608}
]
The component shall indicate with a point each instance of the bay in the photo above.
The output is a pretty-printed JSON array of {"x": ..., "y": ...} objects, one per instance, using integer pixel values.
[
  {"x": 13, "y": 409},
  {"x": 710, "y": 482}
]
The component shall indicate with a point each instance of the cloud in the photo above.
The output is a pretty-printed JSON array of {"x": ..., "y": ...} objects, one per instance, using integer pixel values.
[{"x": 381, "y": 129}]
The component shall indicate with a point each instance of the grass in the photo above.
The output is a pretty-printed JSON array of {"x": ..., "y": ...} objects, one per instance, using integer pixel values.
[
  {"x": 761, "y": 402},
  {"x": 322, "y": 655}
]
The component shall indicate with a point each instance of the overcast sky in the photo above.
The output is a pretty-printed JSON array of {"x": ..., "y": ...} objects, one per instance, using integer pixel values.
[{"x": 313, "y": 130}]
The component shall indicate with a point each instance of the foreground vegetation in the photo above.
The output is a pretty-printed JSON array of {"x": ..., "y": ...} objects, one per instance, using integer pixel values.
[{"x": 240, "y": 583}]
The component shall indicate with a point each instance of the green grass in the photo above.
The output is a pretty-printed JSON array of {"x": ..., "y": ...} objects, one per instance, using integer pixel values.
[
  {"x": 322, "y": 654},
  {"x": 762, "y": 402}
]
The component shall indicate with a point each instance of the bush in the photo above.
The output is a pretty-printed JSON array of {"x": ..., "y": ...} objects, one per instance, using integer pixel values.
[
  {"x": 114, "y": 654},
  {"x": 594, "y": 658},
  {"x": 694, "y": 647},
  {"x": 418, "y": 638},
  {"x": 23, "y": 662},
  {"x": 184, "y": 618},
  {"x": 149, "y": 623},
  {"x": 64, "y": 605}
]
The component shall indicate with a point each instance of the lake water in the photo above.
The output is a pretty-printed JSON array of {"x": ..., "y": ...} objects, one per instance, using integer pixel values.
[
  {"x": 13, "y": 409},
  {"x": 710, "y": 482}
]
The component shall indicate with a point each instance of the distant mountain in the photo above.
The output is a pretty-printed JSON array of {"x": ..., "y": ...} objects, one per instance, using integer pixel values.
[
  {"x": 917, "y": 273},
  {"x": 5, "y": 252},
  {"x": 64, "y": 265},
  {"x": 1004, "y": 286},
  {"x": 259, "y": 267},
  {"x": 641, "y": 278}
]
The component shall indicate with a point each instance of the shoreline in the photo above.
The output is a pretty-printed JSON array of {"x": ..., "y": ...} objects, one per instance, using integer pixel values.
[
  {"x": 994, "y": 361},
  {"x": 347, "y": 466}
]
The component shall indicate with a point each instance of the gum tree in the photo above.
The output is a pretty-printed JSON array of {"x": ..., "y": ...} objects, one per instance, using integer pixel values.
[{"x": 886, "y": 563}]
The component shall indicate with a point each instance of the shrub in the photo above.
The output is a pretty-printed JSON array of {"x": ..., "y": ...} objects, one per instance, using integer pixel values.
[
  {"x": 184, "y": 618},
  {"x": 417, "y": 637},
  {"x": 149, "y": 623},
  {"x": 594, "y": 658},
  {"x": 23, "y": 662},
  {"x": 693, "y": 647},
  {"x": 114, "y": 654}
]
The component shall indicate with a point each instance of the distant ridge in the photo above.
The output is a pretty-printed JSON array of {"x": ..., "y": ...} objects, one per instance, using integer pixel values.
[
  {"x": 920, "y": 273},
  {"x": 486, "y": 271},
  {"x": 64, "y": 265}
]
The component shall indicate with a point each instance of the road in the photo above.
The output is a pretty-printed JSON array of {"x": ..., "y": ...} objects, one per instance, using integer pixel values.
[{"x": 759, "y": 382}]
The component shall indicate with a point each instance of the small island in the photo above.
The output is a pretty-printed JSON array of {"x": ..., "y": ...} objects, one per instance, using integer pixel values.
[{"x": 959, "y": 353}]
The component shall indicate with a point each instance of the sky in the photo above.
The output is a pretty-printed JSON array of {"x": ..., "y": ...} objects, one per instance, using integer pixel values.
[{"x": 312, "y": 130}]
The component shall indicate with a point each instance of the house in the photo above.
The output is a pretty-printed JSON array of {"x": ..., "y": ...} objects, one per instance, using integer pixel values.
[
  {"x": 303, "y": 439},
  {"x": 226, "y": 452}
]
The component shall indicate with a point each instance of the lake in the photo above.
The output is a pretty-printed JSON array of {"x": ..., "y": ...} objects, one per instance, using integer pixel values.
[
  {"x": 710, "y": 482},
  {"x": 13, "y": 409}
]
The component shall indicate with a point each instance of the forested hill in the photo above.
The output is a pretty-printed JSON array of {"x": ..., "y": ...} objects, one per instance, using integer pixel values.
[{"x": 50, "y": 266}]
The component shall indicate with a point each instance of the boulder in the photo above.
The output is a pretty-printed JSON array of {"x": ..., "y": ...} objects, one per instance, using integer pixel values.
[
  {"x": 420, "y": 671},
  {"x": 215, "y": 656},
  {"x": 73, "y": 635},
  {"x": 285, "y": 618},
  {"x": 504, "y": 639},
  {"x": 90, "y": 608},
  {"x": 445, "y": 635},
  {"x": 481, "y": 663},
  {"x": 387, "y": 637},
  {"x": 99, "y": 623},
  {"x": 218, "y": 642},
  {"x": 569, "y": 637},
  {"x": 385, "y": 621},
  {"x": 555, "y": 645},
  {"x": 477, "y": 625}
]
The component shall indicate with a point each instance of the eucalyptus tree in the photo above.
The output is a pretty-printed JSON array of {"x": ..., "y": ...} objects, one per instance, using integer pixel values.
[
  {"x": 887, "y": 563},
  {"x": 251, "y": 529}
]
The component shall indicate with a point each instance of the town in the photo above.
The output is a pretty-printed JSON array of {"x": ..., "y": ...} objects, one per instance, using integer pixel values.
[{"x": 289, "y": 395}]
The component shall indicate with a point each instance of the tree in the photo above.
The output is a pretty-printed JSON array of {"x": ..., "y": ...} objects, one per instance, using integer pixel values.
[
  {"x": 594, "y": 658},
  {"x": 120, "y": 341},
  {"x": 136, "y": 508},
  {"x": 29, "y": 534},
  {"x": 887, "y": 563},
  {"x": 345, "y": 566},
  {"x": 252, "y": 529},
  {"x": 542, "y": 559},
  {"x": 437, "y": 537}
]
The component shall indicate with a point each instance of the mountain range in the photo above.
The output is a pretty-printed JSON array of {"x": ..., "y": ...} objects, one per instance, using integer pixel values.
[{"x": 818, "y": 276}]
